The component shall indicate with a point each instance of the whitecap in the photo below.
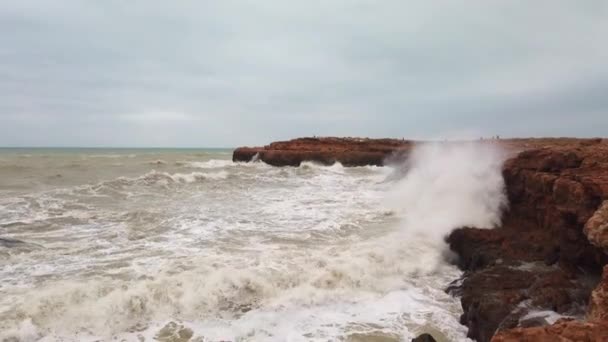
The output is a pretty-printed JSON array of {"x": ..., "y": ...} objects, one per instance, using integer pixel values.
[{"x": 209, "y": 164}]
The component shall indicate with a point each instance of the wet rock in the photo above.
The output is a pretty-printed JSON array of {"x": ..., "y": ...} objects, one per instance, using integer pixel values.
[
  {"x": 492, "y": 298},
  {"x": 245, "y": 154},
  {"x": 598, "y": 303},
  {"x": 563, "y": 330},
  {"x": 476, "y": 248},
  {"x": 424, "y": 338}
]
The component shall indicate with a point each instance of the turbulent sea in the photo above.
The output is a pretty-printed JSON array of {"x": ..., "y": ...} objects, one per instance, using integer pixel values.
[{"x": 185, "y": 245}]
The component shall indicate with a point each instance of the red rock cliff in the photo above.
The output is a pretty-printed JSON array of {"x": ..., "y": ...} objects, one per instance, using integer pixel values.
[
  {"x": 362, "y": 151},
  {"x": 547, "y": 255},
  {"x": 348, "y": 151}
]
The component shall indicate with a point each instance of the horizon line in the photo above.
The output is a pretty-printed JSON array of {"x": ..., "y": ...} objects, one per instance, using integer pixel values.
[{"x": 117, "y": 147}]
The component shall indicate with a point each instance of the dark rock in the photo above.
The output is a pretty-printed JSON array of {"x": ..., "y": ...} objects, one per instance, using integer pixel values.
[
  {"x": 598, "y": 303},
  {"x": 424, "y": 338}
]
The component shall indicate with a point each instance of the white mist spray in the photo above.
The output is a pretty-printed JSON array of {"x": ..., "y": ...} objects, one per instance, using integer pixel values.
[{"x": 447, "y": 186}]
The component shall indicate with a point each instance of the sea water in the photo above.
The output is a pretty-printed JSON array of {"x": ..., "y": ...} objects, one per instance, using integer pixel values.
[{"x": 185, "y": 245}]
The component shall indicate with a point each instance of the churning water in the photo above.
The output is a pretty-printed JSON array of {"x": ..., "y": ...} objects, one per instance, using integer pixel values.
[{"x": 185, "y": 245}]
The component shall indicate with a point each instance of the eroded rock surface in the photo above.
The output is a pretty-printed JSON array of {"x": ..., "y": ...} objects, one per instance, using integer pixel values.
[
  {"x": 596, "y": 229},
  {"x": 365, "y": 151},
  {"x": 549, "y": 253},
  {"x": 598, "y": 303},
  {"x": 562, "y": 331}
]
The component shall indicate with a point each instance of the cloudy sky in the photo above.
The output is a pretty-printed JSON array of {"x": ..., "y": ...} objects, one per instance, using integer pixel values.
[{"x": 227, "y": 73}]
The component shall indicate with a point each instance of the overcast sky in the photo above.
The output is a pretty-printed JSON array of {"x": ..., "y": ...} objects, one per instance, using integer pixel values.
[{"x": 228, "y": 73}]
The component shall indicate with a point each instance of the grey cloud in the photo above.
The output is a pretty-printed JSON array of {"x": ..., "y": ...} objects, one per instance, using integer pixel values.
[{"x": 224, "y": 73}]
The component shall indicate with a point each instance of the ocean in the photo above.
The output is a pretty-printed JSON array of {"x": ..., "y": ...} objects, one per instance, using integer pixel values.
[{"x": 185, "y": 245}]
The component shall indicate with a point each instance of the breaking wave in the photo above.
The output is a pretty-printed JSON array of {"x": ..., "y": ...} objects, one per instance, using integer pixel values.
[
  {"x": 209, "y": 164},
  {"x": 451, "y": 185},
  {"x": 157, "y": 178},
  {"x": 250, "y": 252}
]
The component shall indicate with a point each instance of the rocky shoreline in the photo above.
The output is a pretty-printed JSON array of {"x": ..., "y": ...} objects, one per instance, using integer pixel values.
[
  {"x": 538, "y": 277},
  {"x": 347, "y": 151},
  {"x": 547, "y": 256}
]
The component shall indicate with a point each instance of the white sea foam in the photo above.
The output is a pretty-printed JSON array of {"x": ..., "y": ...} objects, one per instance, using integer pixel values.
[
  {"x": 242, "y": 252},
  {"x": 287, "y": 292},
  {"x": 159, "y": 178},
  {"x": 209, "y": 164},
  {"x": 447, "y": 186},
  {"x": 550, "y": 317},
  {"x": 192, "y": 177}
]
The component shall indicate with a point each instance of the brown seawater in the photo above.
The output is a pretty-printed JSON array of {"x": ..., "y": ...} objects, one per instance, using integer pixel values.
[{"x": 185, "y": 245}]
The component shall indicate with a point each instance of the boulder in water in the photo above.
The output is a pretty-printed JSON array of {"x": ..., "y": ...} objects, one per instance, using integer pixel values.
[{"x": 424, "y": 338}]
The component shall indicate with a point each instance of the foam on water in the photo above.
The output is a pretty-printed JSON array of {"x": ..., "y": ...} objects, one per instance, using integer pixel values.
[
  {"x": 549, "y": 316},
  {"x": 258, "y": 293},
  {"x": 211, "y": 164},
  {"x": 238, "y": 252}
]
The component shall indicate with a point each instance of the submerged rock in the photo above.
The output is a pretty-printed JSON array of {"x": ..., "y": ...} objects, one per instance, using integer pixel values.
[
  {"x": 424, "y": 338},
  {"x": 173, "y": 332}
]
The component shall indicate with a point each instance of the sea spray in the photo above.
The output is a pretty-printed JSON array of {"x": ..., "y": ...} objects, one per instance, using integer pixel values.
[
  {"x": 256, "y": 254},
  {"x": 447, "y": 185},
  {"x": 450, "y": 185}
]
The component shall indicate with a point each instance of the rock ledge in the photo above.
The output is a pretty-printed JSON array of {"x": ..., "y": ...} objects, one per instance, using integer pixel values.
[{"x": 327, "y": 150}]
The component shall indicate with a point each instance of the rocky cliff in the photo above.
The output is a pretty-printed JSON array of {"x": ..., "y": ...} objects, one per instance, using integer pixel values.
[
  {"x": 348, "y": 151},
  {"x": 365, "y": 151},
  {"x": 549, "y": 253}
]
